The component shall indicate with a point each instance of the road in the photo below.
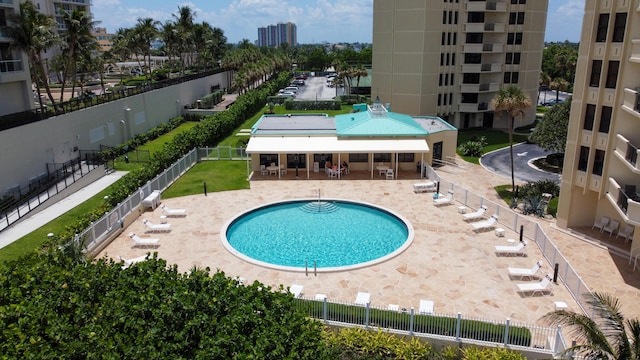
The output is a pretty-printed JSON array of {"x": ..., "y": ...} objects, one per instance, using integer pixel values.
[
  {"x": 523, "y": 155},
  {"x": 551, "y": 95}
]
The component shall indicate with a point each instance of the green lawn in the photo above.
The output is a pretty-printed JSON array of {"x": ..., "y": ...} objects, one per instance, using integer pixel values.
[
  {"x": 218, "y": 175},
  {"x": 496, "y": 139}
]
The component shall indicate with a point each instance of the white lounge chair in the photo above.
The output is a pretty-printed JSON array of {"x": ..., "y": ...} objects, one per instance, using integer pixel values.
[
  {"x": 524, "y": 272},
  {"x": 541, "y": 287},
  {"x": 156, "y": 227},
  {"x": 363, "y": 298},
  {"x": 611, "y": 227},
  {"x": 129, "y": 262},
  {"x": 508, "y": 250},
  {"x": 426, "y": 307},
  {"x": 600, "y": 224},
  {"x": 485, "y": 224},
  {"x": 441, "y": 200},
  {"x": 389, "y": 174},
  {"x": 626, "y": 233},
  {"x": 476, "y": 214},
  {"x": 296, "y": 290},
  {"x": 173, "y": 212},
  {"x": 143, "y": 241},
  {"x": 425, "y": 187},
  {"x": 321, "y": 297}
]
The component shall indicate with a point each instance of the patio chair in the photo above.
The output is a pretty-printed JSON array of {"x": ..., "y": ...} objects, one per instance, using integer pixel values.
[
  {"x": 151, "y": 227},
  {"x": 485, "y": 224},
  {"x": 542, "y": 287},
  {"x": 173, "y": 212},
  {"x": 476, "y": 214},
  {"x": 426, "y": 307},
  {"x": 508, "y": 250},
  {"x": 296, "y": 290},
  {"x": 600, "y": 224},
  {"x": 283, "y": 169},
  {"x": 612, "y": 227},
  {"x": 363, "y": 299},
  {"x": 626, "y": 233},
  {"x": 263, "y": 170},
  {"x": 524, "y": 272},
  {"x": 143, "y": 241},
  {"x": 442, "y": 200},
  {"x": 390, "y": 175}
]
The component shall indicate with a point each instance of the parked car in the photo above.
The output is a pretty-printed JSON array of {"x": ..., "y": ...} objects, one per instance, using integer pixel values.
[
  {"x": 287, "y": 93},
  {"x": 301, "y": 77},
  {"x": 297, "y": 82},
  {"x": 552, "y": 102}
]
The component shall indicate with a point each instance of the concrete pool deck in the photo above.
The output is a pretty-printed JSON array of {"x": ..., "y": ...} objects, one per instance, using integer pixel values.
[{"x": 447, "y": 263}]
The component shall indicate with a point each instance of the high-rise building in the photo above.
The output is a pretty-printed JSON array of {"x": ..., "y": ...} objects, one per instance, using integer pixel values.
[
  {"x": 15, "y": 78},
  {"x": 601, "y": 172},
  {"x": 274, "y": 35},
  {"x": 449, "y": 58}
]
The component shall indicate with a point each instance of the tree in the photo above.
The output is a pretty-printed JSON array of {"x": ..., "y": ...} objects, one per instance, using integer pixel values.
[
  {"x": 544, "y": 81},
  {"x": 512, "y": 101},
  {"x": 559, "y": 84},
  {"x": 77, "y": 42},
  {"x": 145, "y": 31},
  {"x": 551, "y": 132},
  {"x": 603, "y": 335},
  {"x": 34, "y": 33}
]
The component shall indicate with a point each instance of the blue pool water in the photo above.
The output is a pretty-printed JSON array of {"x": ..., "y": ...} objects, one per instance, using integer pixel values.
[{"x": 333, "y": 233}]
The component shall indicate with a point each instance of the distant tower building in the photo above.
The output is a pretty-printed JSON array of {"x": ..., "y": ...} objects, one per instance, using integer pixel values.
[
  {"x": 449, "y": 59},
  {"x": 274, "y": 35}
]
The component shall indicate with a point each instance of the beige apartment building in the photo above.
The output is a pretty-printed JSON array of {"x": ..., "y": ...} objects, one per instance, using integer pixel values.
[
  {"x": 15, "y": 78},
  {"x": 449, "y": 58},
  {"x": 601, "y": 170}
]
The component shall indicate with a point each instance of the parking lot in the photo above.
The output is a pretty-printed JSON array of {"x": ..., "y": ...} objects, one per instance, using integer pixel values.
[{"x": 316, "y": 88}]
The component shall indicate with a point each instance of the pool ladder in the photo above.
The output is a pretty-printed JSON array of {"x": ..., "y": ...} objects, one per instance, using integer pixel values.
[{"x": 315, "y": 268}]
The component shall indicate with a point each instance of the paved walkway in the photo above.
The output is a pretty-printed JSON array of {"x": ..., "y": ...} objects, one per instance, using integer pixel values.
[{"x": 447, "y": 263}]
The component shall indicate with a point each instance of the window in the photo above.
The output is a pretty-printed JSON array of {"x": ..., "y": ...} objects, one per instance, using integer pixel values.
[
  {"x": 296, "y": 160},
  {"x": 469, "y": 98},
  {"x": 512, "y": 18},
  {"x": 446, "y": 79},
  {"x": 598, "y": 162},
  {"x": 450, "y": 98},
  {"x": 474, "y": 38},
  {"x": 589, "y": 116},
  {"x": 612, "y": 74},
  {"x": 444, "y": 17},
  {"x": 381, "y": 157},
  {"x": 441, "y": 59},
  {"x": 518, "y": 2},
  {"x": 475, "y": 17},
  {"x": 452, "y": 79},
  {"x": 472, "y": 58},
  {"x": 444, "y": 38},
  {"x": 514, "y": 38},
  {"x": 605, "y": 119},
  {"x": 516, "y": 18},
  {"x": 453, "y": 56},
  {"x": 603, "y": 24},
  {"x": 470, "y": 78},
  {"x": 406, "y": 157},
  {"x": 520, "y": 19},
  {"x": 619, "y": 26},
  {"x": 512, "y": 58},
  {"x": 358, "y": 158},
  {"x": 449, "y": 38},
  {"x": 511, "y": 77},
  {"x": 596, "y": 68},
  {"x": 448, "y": 58},
  {"x": 267, "y": 159},
  {"x": 455, "y": 18},
  {"x": 584, "y": 158},
  {"x": 440, "y": 80},
  {"x": 439, "y": 99},
  {"x": 455, "y": 38}
]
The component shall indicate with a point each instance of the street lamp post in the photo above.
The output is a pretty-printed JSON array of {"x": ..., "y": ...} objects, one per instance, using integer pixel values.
[{"x": 296, "y": 159}]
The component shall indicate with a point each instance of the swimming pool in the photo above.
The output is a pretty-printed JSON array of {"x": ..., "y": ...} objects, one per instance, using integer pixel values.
[{"x": 328, "y": 234}]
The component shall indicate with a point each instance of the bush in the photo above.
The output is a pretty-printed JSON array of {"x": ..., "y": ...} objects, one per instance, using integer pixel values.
[
  {"x": 552, "y": 207},
  {"x": 474, "y": 146}
]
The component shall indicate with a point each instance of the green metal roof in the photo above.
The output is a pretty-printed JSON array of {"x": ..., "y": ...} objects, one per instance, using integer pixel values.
[{"x": 377, "y": 121}]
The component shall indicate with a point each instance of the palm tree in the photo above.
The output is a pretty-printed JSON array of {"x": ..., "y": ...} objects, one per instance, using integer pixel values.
[
  {"x": 604, "y": 335},
  {"x": 77, "y": 41},
  {"x": 512, "y": 101},
  {"x": 34, "y": 33},
  {"x": 146, "y": 30},
  {"x": 359, "y": 72},
  {"x": 545, "y": 80},
  {"x": 559, "y": 84}
]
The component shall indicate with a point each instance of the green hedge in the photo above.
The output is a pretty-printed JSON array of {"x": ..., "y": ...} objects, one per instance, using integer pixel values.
[
  {"x": 438, "y": 325},
  {"x": 313, "y": 105}
]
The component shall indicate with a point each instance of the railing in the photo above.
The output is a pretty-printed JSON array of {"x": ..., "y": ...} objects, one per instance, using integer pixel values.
[
  {"x": 27, "y": 117},
  {"x": 444, "y": 327},
  {"x": 531, "y": 230},
  {"x": 21, "y": 201},
  {"x": 10, "y": 65}
]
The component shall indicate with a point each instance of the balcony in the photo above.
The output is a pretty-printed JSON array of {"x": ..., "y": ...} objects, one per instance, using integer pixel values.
[
  {"x": 10, "y": 66},
  {"x": 635, "y": 51},
  {"x": 626, "y": 200},
  {"x": 487, "y": 6},
  {"x": 482, "y": 68},
  {"x": 627, "y": 153},
  {"x": 476, "y": 88},
  {"x": 473, "y": 107},
  {"x": 483, "y": 48},
  {"x": 6, "y": 3},
  {"x": 484, "y": 27}
]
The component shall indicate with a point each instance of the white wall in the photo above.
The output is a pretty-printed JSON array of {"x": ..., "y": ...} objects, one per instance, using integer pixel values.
[{"x": 25, "y": 150}]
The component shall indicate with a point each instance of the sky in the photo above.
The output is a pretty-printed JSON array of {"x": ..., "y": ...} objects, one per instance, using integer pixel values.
[{"x": 317, "y": 21}]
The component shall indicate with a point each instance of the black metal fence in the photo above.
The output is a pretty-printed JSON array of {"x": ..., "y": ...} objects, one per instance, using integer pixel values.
[{"x": 30, "y": 116}]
